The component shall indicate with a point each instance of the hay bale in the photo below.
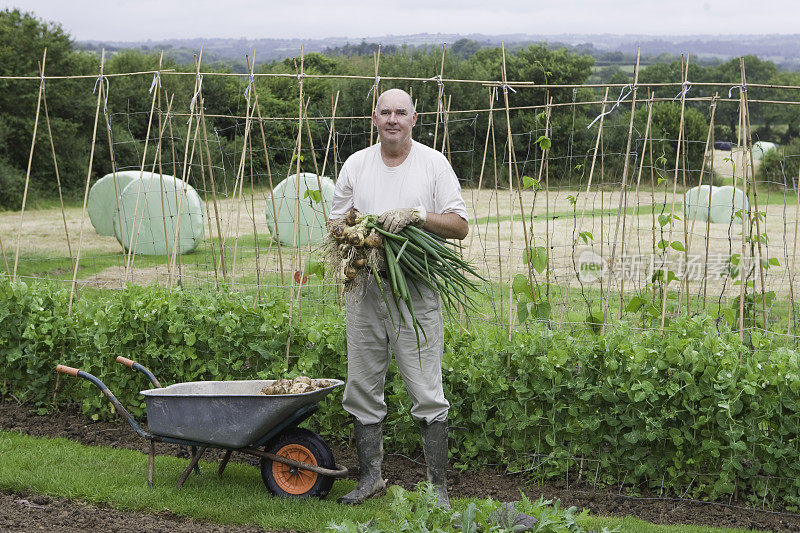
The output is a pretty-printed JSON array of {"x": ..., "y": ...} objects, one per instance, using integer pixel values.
[
  {"x": 154, "y": 201},
  {"x": 102, "y": 202},
  {"x": 308, "y": 212},
  {"x": 721, "y": 207},
  {"x": 762, "y": 147}
]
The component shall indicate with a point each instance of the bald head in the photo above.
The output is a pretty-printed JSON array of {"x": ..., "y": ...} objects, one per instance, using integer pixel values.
[{"x": 395, "y": 95}]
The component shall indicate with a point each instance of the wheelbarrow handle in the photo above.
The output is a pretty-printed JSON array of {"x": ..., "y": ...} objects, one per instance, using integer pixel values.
[
  {"x": 130, "y": 363},
  {"x": 108, "y": 394},
  {"x": 67, "y": 370}
]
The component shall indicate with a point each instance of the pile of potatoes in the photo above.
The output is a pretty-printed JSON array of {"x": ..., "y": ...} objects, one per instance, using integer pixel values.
[{"x": 298, "y": 385}]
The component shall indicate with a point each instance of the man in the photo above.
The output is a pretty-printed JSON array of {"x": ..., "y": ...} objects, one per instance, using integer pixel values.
[{"x": 405, "y": 183}]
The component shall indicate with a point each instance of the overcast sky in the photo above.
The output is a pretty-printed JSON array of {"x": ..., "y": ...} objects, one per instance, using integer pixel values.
[{"x": 128, "y": 20}]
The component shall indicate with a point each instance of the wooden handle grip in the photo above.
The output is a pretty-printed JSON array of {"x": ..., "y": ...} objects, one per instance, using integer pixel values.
[
  {"x": 67, "y": 370},
  {"x": 125, "y": 361}
]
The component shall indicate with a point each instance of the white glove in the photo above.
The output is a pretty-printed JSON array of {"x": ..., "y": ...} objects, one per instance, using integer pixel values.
[{"x": 395, "y": 220}]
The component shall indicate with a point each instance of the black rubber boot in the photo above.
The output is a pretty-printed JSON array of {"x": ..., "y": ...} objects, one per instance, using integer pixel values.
[
  {"x": 434, "y": 444},
  {"x": 369, "y": 445}
]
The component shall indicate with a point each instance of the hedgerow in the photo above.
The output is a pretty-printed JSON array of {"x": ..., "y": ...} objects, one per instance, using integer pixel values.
[{"x": 691, "y": 411}]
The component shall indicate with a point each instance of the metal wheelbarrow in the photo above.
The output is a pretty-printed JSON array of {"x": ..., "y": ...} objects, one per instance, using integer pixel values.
[{"x": 234, "y": 416}]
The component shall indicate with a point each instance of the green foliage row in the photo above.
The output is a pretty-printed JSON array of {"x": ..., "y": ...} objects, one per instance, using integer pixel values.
[
  {"x": 417, "y": 512},
  {"x": 689, "y": 412}
]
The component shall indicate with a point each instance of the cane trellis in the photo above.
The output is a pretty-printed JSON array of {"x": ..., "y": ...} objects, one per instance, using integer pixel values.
[{"x": 572, "y": 226}]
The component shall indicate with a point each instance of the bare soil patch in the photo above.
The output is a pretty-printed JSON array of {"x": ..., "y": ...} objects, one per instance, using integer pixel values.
[
  {"x": 25, "y": 511},
  {"x": 400, "y": 470}
]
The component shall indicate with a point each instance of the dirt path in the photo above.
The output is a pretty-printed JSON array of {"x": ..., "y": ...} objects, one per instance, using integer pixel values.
[
  {"x": 24, "y": 511},
  {"x": 400, "y": 470}
]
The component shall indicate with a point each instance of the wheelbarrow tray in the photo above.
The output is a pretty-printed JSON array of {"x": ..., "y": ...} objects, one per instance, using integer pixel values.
[{"x": 225, "y": 414}]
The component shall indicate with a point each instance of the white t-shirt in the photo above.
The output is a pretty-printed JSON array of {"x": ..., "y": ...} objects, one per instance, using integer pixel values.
[{"x": 424, "y": 178}]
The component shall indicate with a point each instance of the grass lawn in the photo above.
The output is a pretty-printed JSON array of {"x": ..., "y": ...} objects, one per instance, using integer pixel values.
[{"x": 117, "y": 477}]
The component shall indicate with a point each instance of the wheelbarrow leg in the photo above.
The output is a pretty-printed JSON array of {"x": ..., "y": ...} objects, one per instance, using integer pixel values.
[
  {"x": 196, "y": 466},
  {"x": 224, "y": 462},
  {"x": 192, "y": 464},
  {"x": 151, "y": 463}
]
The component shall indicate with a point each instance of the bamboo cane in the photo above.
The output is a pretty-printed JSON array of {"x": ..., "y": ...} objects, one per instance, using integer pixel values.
[
  {"x": 761, "y": 259},
  {"x": 157, "y": 94},
  {"x": 579, "y": 223},
  {"x": 276, "y": 238},
  {"x": 439, "y": 98},
  {"x": 446, "y": 129},
  {"x": 3, "y": 253},
  {"x": 544, "y": 165},
  {"x": 740, "y": 141},
  {"x": 113, "y": 160},
  {"x": 30, "y": 163},
  {"x": 251, "y": 83},
  {"x": 513, "y": 173},
  {"x": 184, "y": 186},
  {"x": 58, "y": 181},
  {"x": 653, "y": 201},
  {"x": 623, "y": 200},
  {"x": 483, "y": 168},
  {"x": 188, "y": 157},
  {"x": 665, "y": 278},
  {"x": 217, "y": 215},
  {"x": 88, "y": 180},
  {"x": 497, "y": 218},
  {"x": 708, "y": 145},
  {"x": 792, "y": 310},
  {"x": 708, "y": 218},
  {"x": 602, "y": 188},
  {"x": 300, "y": 115},
  {"x": 255, "y": 229},
  {"x": 240, "y": 184},
  {"x": 376, "y": 59},
  {"x": 157, "y": 160},
  {"x": 131, "y": 249},
  {"x": 589, "y": 103},
  {"x": 645, "y": 144},
  {"x": 208, "y": 217}
]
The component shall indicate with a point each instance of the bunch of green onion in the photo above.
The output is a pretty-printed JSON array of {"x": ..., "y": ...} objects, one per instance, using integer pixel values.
[{"x": 415, "y": 258}]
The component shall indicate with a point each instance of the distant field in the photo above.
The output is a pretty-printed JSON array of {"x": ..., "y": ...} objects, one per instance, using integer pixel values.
[{"x": 495, "y": 244}]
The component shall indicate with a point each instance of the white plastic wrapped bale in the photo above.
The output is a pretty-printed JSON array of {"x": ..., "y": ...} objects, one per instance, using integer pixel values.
[
  {"x": 149, "y": 210},
  {"x": 697, "y": 203},
  {"x": 762, "y": 147},
  {"x": 724, "y": 202},
  {"x": 307, "y": 211},
  {"x": 102, "y": 202}
]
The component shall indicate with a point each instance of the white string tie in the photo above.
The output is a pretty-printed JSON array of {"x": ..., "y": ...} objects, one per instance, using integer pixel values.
[
  {"x": 100, "y": 79},
  {"x": 685, "y": 88},
  {"x": 622, "y": 97},
  {"x": 374, "y": 86},
  {"x": 506, "y": 87},
  {"x": 250, "y": 80},
  {"x": 439, "y": 107},
  {"x": 742, "y": 89},
  {"x": 192, "y": 104},
  {"x": 156, "y": 81},
  {"x": 300, "y": 78}
]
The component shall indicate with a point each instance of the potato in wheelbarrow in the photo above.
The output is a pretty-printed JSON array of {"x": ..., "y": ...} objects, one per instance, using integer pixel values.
[{"x": 298, "y": 385}]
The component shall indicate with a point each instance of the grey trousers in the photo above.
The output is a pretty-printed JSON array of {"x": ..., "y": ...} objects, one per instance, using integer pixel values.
[{"x": 372, "y": 338}]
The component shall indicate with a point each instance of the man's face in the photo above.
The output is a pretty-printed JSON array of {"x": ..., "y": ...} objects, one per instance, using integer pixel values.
[{"x": 394, "y": 117}]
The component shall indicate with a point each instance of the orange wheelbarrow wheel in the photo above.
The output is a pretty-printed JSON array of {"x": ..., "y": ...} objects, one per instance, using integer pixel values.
[{"x": 291, "y": 482}]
